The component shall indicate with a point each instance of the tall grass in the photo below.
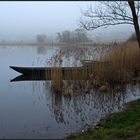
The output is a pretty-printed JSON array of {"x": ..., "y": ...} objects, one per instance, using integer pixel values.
[
  {"x": 121, "y": 63},
  {"x": 124, "y": 58},
  {"x": 56, "y": 76},
  {"x": 115, "y": 65}
]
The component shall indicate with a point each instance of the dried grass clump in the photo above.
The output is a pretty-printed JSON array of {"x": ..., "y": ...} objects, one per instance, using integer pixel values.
[
  {"x": 122, "y": 62},
  {"x": 56, "y": 77},
  {"x": 115, "y": 68}
]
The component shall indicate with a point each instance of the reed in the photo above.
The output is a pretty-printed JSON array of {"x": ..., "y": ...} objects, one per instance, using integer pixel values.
[
  {"x": 122, "y": 60},
  {"x": 56, "y": 77},
  {"x": 126, "y": 56},
  {"x": 112, "y": 65}
]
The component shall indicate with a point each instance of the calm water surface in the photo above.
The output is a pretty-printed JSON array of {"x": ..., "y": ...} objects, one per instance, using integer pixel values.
[{"x": 30, "y": 109}]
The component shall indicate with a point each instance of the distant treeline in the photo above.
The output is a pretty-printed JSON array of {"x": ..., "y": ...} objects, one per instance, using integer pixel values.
[
  {"x": 77, "y": 37},
  {"x": 64, "y": 37}
]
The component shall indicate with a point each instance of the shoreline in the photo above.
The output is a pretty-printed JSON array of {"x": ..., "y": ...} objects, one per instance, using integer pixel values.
[{"x": 103, "y": 127}]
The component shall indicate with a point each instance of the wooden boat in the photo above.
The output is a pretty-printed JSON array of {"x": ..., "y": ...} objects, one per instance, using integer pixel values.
[
  {"x": 50, "y": 73},
  {"x": 43, "y": 71},
  {"x": 29, "y": 70}
]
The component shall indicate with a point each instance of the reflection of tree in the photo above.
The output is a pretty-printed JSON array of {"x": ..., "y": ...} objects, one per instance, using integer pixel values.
[
  {"x": 41, "y": 49},
  {"x": 84, "y": 108},
  {"x": 57, "y": 107},
  {"x": 41, "y": 39}
]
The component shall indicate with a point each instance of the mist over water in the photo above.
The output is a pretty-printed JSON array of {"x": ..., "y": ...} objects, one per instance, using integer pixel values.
[{"x": 24, "y": 20}]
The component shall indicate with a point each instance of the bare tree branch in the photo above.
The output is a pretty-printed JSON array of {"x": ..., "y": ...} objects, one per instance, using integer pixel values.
[
  {"x": 112, "y": 13},
  {"x": 137, "y": 6},
  {"x": 108, "y": 13}
]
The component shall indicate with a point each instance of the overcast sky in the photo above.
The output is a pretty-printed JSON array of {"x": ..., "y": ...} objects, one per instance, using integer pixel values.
[{"x": 26, "y": 19}]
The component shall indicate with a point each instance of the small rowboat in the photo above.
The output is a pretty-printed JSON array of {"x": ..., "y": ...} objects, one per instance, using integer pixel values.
[
  {"x": 41, "y": 71},
  {"x": 29, "y": 70},
  {"x": 50, "y": 73}
]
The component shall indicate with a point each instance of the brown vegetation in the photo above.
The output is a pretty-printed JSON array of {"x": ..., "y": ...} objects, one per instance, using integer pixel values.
[
  {"x": 122, "y": 61},
  {"x": 114, "y": 69},
  {"x": 132, "y": 38}
]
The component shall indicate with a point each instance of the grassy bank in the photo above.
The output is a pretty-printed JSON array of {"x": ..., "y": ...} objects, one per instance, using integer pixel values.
[{"x": 125, "y": 124}]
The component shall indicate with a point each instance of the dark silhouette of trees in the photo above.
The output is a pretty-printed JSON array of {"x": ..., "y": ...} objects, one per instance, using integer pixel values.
[
  {"x": 41, "y": 39},
  {"x": 76, "y": 36}
]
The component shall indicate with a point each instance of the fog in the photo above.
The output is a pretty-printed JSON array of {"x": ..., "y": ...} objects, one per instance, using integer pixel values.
[{"x": 23, "y": 20}]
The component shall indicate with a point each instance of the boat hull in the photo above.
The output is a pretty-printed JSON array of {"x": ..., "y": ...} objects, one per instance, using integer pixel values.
[
  {"x": 64, "y": 72},
  {"x": 51, "y": 73},
  {"x": 29, "y": 70}
]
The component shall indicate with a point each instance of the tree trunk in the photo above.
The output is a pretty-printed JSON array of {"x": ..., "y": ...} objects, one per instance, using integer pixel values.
[{"x": 135, "y": 20}]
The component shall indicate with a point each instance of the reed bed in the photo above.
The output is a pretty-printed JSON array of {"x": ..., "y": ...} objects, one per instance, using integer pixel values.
[
  {"x": 112, "y": 66},
  {"x": 124, "y": 59}
]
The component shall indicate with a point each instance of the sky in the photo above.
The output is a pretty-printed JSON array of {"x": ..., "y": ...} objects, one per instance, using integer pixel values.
[{"x": 25, "y": 19}]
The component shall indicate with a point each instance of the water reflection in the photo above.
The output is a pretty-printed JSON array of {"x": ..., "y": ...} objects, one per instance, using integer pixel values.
[
  {"x": 32, "y": 109},
  {"x": 83, "y": 106},
  {"x": 29, "y": 78},
  {"x": 81, "y": 111},
  {"x": 41, "y": 49}
]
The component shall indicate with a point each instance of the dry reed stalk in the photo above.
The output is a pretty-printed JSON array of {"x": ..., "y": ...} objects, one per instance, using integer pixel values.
[
  {"x": 114, "y": 66},
  {"x": 123, "y": 58},
  {"x": 56, "y": 76}
]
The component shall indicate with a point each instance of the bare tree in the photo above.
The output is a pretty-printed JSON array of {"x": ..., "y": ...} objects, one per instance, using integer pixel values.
[
  {"x": 75, "y": 36},
  {"x": 41, "y": 38},
  {"x": 112, "y": 13}
]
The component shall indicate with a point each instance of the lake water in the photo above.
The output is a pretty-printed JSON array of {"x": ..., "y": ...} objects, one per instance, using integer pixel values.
[{"x": 30, "y": 109}]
